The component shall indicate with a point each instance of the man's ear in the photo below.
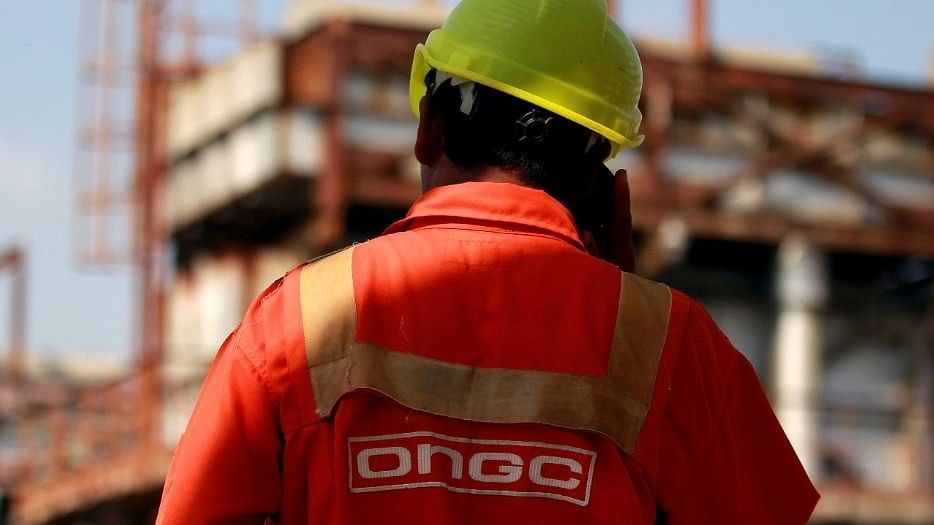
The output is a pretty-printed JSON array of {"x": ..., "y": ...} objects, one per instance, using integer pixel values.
[{"x": 428, "y": 142}]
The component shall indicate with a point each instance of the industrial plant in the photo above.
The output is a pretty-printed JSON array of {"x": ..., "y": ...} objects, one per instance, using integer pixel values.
[{"x": 791, "y": 196}]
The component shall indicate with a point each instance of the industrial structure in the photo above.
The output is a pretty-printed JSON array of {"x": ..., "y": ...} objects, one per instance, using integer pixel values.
[{"x": 793, "y": 198}]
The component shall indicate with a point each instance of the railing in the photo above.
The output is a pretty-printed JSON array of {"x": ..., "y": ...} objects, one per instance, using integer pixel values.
[
  {"x": 100, "y": 424},
  {"x": 877, "y": 466},
  {"x": 107, "y": 443},
  {"x": 102, "y": 445}
]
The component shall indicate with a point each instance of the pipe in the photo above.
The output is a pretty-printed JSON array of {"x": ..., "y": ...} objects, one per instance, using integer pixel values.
[
  {"x": 149, "y": 158},
  {"x": 700, "y": 26},
  {"x": 14, "y": 259},
  {"x": 802, "y": 291}
]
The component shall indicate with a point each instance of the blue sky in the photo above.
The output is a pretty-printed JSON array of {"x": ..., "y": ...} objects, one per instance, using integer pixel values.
[{"x": 92, "y": 311}]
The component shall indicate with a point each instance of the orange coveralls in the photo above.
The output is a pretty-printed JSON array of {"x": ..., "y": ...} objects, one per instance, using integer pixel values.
[{"x": 474, "y": 364}]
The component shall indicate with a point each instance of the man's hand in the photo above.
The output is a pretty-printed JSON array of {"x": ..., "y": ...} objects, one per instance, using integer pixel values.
[
  {"x": 606, "y": 220},
  {"x": 621, "y": 250}
]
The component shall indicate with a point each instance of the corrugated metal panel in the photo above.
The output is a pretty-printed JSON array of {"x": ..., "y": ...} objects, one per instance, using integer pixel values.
[
  {"x": 176, "y": 411},
  {"x": 215, "y": 105},
  {"x": 203, "y": 107},
  {"x": 222, "y": 299},
  {"x": 268, "y": 145},
  {"x": 702, "y": 167},
  {"x": 183, "y": 369},
  {"x": 214, "y": 177},
  {"x": 305, "y": 142},
  {"x": 381, "y": 134},
  {"x": 826, "y": 123},
  {"x": 182, "y": 201},
  {"x": 796, "y": 195},
  {"x": 272, "y": 263},
  {"x": 888, "y": 148},
  {"x": 762, "y": 58},
  {"x": 204, "y": 306},
  {"x": 243, "y": 156},
  {"x": 384, "y": 96},
  {"x": 182, "y": 321},
  {"x": 769, "y": 59},
  {"x": 254, "y": 152},
  {"x": 183, "y": 117},
  {"x": 902, "y": 188},
  {"x": 302, "y": 16},
  {"x": 267, "y": 134},
  {"x": 256, "y": 79}
]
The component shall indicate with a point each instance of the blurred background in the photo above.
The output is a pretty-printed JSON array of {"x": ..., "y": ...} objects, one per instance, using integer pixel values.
[{"x": 163, "y": 161}]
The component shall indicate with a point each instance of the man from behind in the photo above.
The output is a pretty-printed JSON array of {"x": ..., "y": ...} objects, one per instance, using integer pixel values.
[{"x": 486, "y": 359}]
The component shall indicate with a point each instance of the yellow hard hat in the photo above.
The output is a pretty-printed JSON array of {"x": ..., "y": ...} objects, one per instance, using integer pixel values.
[{"x": 567, "y": 56}]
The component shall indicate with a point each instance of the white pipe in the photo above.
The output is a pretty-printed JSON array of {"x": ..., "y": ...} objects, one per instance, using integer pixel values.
[{"x": 802, "y": 292}]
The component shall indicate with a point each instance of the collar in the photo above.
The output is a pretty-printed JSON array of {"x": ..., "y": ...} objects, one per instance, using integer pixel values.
[{"x": 496, "y": 206}]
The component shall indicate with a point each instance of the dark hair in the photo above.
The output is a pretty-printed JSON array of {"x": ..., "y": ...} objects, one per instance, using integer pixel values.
[{"x": 543, "y": 149}]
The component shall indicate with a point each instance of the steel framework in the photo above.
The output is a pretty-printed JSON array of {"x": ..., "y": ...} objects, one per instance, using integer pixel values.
[
  {"x": 116, "y": 425},
  {"x": 13, "y": 261}
]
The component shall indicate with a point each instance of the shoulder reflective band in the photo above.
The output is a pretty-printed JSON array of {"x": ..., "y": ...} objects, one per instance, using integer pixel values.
[{"x": 615, "y": 406}]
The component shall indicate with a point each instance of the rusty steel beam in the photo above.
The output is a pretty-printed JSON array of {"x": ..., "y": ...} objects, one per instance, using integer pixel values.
[
  {"x": 659, "y": 116},
  {"x": 115, "y": 460},
  {"x": 14, "y": 261},
  {"x": 187, "y": 26},
  {"x": 122, "y": 451},
  {"x": 770, "y": 229},
  {"x": 672, "y": 87},
  {"x": 700, "y": 26},
  {"x": 649, "y": 213},
  {"x": 149, "y": 169},
  {"x": 330, "y": 199},
  {"x": 841, "y": 503},
  {"x": 100, "y": 135},
  {"x": 719, "y": 83},
  {"x": 128, "y": 473},
  {"x": 384, "y": 191}
]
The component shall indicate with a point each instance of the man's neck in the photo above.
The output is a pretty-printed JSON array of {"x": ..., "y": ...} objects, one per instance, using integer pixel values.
[{"x": 447, "y": 173}]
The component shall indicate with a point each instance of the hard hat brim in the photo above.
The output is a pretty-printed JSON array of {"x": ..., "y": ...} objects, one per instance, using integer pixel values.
[{"x": 423, "y": 62}]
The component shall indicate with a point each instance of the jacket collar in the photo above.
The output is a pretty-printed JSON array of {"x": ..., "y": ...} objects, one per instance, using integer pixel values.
[{"x": 493, "y": 206}]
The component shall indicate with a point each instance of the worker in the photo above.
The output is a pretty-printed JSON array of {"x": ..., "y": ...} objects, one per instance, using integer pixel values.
[{"x": 486, "y": 360}]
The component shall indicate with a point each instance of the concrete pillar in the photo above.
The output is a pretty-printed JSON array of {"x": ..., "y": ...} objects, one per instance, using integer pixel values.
[{"x": 802, "y": 290}]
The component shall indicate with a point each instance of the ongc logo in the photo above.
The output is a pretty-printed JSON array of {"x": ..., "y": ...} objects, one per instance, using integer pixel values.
[{"x": 471, "y": 466}]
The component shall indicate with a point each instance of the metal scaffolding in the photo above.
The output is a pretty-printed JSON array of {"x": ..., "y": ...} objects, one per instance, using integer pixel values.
[{"x": 344, "y": 71}]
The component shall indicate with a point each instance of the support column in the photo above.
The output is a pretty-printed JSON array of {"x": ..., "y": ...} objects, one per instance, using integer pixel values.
[
  {"x": 802, "y": 290},
  {"x": 700, "y": 27},
  {"x": 919, "y": 420}
]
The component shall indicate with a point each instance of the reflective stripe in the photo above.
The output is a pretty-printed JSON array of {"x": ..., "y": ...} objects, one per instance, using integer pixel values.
[
  {"x": 329, "y": 316},
  {"x": 615, "y": 406}
]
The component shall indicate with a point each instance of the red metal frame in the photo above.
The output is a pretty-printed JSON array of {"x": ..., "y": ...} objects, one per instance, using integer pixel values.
[
  {"x": 700, "y": 41},
  {"x": 315, "y": 74},
  {"x": 103, "y": 136},
  {"x": 126, "y": 445},
  {"x": 13, "y": 260}
]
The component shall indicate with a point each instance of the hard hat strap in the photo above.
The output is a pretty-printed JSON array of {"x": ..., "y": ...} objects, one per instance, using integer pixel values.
[
  {"x": 467, "y": 88},
  {"x": 533, "y": 128}
]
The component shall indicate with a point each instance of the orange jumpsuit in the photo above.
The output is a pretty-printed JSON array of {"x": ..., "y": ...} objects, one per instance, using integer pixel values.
[{"x": 474, "y": 364}]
